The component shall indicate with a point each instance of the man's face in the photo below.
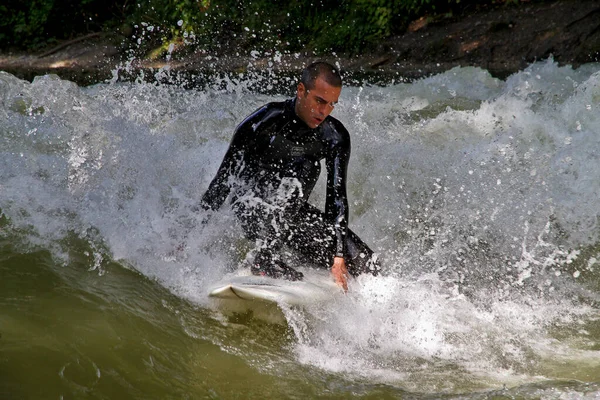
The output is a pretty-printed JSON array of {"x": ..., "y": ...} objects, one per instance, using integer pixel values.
[{"x": 314, "y": 105}]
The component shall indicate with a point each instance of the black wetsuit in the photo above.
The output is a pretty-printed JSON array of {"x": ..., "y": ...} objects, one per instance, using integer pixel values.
[{"x": 272, "y": 166}]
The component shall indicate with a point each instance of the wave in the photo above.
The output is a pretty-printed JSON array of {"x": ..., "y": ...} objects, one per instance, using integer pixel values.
[{"x": 478, "y": 194}]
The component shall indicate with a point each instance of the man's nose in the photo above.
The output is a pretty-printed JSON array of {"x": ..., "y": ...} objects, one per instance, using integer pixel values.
[{"x": 324, "y": 108}]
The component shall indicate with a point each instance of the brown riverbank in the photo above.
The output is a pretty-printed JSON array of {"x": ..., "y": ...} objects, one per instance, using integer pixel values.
[{"x": 501, "y": 39}]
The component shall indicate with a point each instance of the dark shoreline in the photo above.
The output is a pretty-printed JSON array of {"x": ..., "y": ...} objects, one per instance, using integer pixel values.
[{"x": 501, "y": 40}]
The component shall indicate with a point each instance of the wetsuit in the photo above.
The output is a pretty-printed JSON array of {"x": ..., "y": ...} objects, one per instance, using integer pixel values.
[{"x": 271, "y": 167}]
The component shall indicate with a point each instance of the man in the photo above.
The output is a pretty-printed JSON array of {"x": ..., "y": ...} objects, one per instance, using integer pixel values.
[{"x": 272, "y": 166}]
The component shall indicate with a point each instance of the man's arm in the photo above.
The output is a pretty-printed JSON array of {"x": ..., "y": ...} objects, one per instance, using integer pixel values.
[
  {"x": 340, "y": 272},
  {"x": 219, "y": 188},
  {"x": 336, "y": 207}
]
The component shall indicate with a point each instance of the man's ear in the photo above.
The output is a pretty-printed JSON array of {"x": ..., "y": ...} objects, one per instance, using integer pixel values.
[{"x": 301, "y": 90}]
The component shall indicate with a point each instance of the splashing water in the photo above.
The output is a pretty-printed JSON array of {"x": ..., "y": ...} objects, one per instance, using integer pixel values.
[{"x": 478, "y": 194}]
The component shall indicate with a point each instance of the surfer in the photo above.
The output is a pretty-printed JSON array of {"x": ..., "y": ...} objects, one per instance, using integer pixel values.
[{"x": 272, "y": 166}]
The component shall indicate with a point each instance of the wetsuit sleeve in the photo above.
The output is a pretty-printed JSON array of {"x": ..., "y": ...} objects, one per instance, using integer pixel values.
[
  {"x": 336, "y": 205},
  {"x": 219, "y": 188}
]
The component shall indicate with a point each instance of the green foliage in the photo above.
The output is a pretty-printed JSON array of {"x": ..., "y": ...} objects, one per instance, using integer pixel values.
[
  {"x": 217, "y": 25},
  {"x": 34, "y": 23},
  {"x": 24, "y": 20}
]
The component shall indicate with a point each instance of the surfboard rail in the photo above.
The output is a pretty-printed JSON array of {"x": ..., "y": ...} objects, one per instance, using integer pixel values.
[{"x": 314, "y": 288}]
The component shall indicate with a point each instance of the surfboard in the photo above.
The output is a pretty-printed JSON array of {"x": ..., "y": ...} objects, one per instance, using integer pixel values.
[
  {"x": 317, "y": 286},
  {"x": 269, "y": 299}
]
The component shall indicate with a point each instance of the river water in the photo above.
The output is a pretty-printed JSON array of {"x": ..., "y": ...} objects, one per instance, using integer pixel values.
[{"x": 480, "y": 196}]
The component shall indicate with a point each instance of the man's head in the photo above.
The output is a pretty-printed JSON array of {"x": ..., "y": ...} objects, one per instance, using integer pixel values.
[{"x": 317, "y": 92}]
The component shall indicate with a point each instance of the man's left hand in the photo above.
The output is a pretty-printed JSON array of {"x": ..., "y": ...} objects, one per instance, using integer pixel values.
[{"x": 340, "y": 273}]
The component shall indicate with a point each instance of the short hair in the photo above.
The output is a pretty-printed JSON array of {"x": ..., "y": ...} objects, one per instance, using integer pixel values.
[{"x": 321, "y": 69}]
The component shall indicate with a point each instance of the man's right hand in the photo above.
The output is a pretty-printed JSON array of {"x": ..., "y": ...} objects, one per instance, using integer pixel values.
[{"x": 340, "y": 272}]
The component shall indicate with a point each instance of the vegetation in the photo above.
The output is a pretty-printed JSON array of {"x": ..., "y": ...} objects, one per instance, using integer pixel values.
[{"x": 347, "y": 26}]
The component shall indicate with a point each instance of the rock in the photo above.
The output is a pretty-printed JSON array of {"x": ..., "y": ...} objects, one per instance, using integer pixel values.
[{"x": 501, "y": 39}]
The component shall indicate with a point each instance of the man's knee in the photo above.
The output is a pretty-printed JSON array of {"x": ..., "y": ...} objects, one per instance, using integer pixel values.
[{"x": 363, "y": 263}]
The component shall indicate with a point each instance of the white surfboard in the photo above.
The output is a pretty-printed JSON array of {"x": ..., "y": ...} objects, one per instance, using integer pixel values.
[
  {"x": 268, "y": 298},
  {"x": 317, "y": 286}
]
